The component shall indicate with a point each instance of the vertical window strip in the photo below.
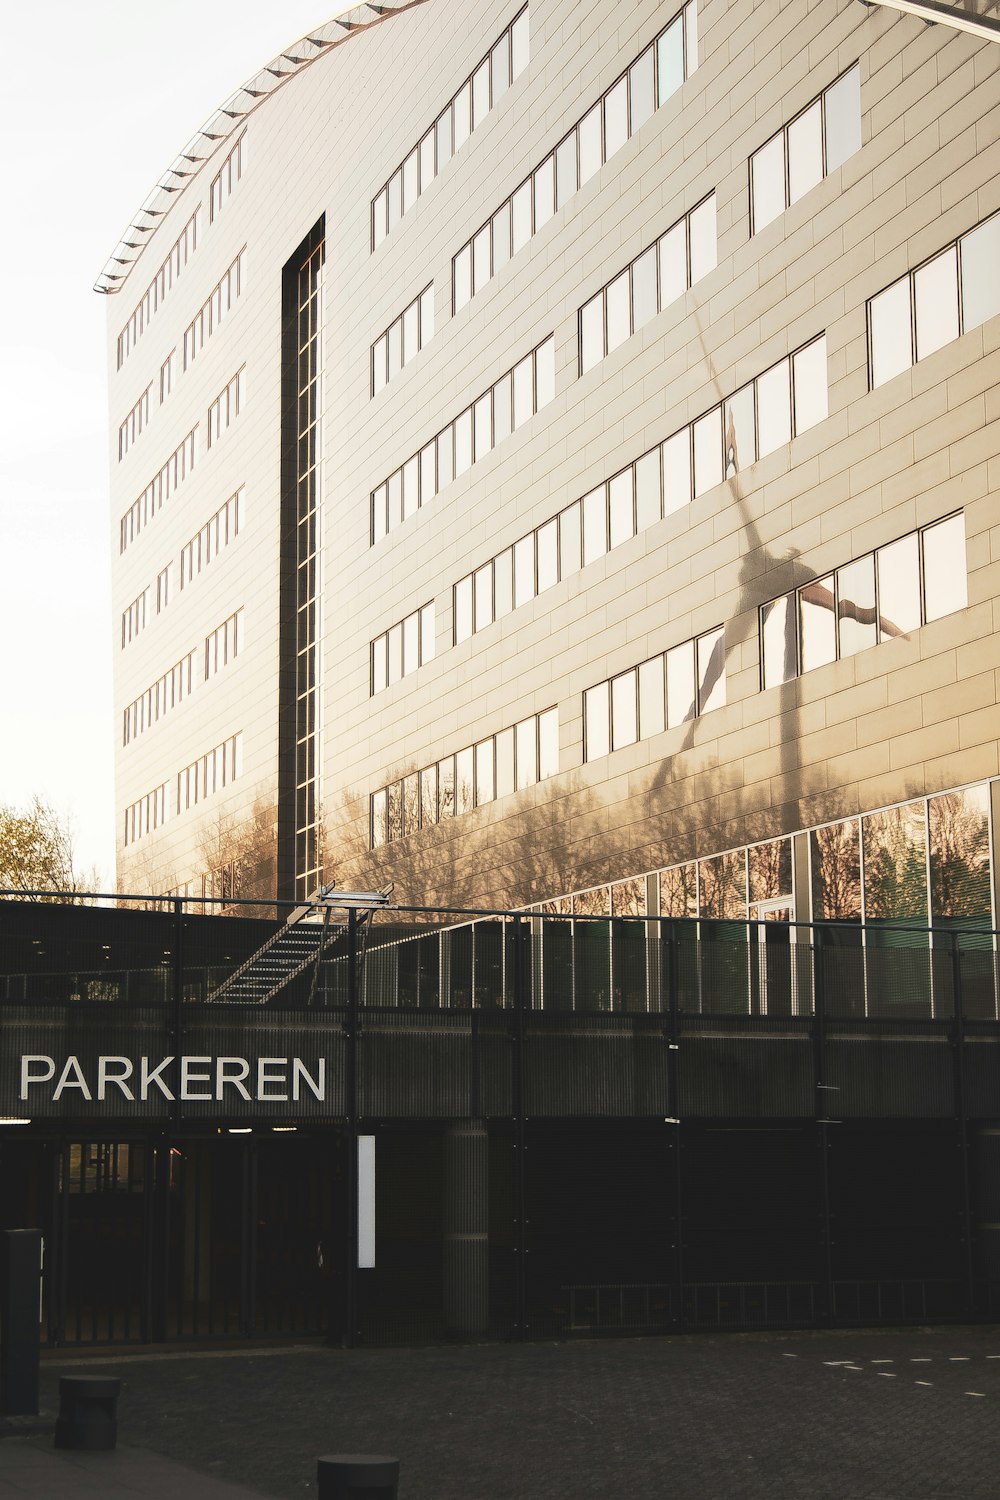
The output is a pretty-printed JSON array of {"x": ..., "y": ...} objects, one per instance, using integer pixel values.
[
  {"x": 147, "y": 814},
  {"x": 134, "y": 618},
  {"x": 223, "y": 644},
  {"x": 798, "y": 156},
  {"x": 402, "y": 648},
  {"x": 493, "y": 767},
  {"x": 177, "y": 258},
  {"x": 661, "y": 693},
  {"x": 649, "y": 284},
  {"x": 225, "y": 180},
  {"x": 131, "y": 428},
  {"x": 158, "y": 491},
  {"x": 160, "y": 698},
  {"x": 213, "y": 311},
  {"x": 886, "y": 594},
  {"x": 954, "y": 291},
  {"x": 403, "y": 339},
  {"x": 656, "y": 74},
  {"x": 786, "y": 400},
  {"x": 210, "y": 773},
  {"x": 465, "y": 111},
  {"x": 493, "y": 416}
]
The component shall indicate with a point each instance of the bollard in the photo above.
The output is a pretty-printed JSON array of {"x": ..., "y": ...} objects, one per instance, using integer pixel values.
[
  {"x": 357, "y": 1476},
  {"x": 88, "y": 1412}
]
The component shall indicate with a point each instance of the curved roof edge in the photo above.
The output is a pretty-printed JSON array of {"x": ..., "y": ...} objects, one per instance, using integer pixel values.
[{"x": 226, "y": 121}]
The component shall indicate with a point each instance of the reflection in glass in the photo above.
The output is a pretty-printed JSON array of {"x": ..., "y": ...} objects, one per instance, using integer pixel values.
[
  {"x": 628, "y": 898},
  {"x": 836, "y": 872},
  {"x": 679, "y": 891},
  {"x": 856, "y": 606},
  {"x": 898, "y": 587},
  {"x": 464, "y": 783},
  {"x": 505, "y": 762},
  {"x": 446, "y": 787},
  {"x": 525, "y": 753},
  {"x": 945, "y": 577},
  {"x": 680, "y": 684},
  {"x": 895, "y": 855},
  {"x": 769, "y": 868},
  {"x": 739, "y": 431},
  {"x": 960, "y": 857},
  {"x": 810, "y": 384},
  {"x": 711, "y": 671},
  {"x": 767, "y": 181},
  {"x": 891, "y": 336},
  {"x": 842, "y": 101},
  {"x": 676, "y": 472},
  {"x": 395, "y": 811},
  {"x": 641, "y": 102},
  {"x": 817, "y": 623},
  {"x": 428, "y": 796},
  {"x": 708, "y": 451},
  {"x": 980, "y": 282},
  {"x": 411, "y": 804},
  {"x": 652, "y": 701},
  {"x": 935, "y": 296},
  {"x": 548, "y": 743},
  {"x": 777, "y": 634},
  {"x": 774, "y": 407},
  {"x": 378, "y": 819},
  {"x": 805, "y": 152},
  {"x": 722, "y": 882},
  {"x": 624, "y": 725},
  {"x": 596, "y": 710},
  {"x": 670, "y": 61},
  {"x": 484, "y": 772}
]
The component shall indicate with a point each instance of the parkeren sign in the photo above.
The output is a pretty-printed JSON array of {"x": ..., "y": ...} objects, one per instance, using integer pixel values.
[{"x": 204, "y": 1078}]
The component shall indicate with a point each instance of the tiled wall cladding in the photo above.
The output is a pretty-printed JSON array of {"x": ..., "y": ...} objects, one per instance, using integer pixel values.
[{"x": 735, "y": 448}]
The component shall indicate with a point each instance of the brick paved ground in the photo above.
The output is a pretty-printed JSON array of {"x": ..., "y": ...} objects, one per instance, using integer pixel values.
[{"x": 911, "y": 1415}]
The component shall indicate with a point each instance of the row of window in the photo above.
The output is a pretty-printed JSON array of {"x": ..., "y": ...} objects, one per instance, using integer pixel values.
[
  {"x": 225, "y": 180},
  {"x": 134, "y": 617},
  {"x": 218, "y": 531},
  {"x": 403, "y": 339},
  {"x": 667, "y": 690},
  {"x": 146, "y": 813},
  {"x": 222, "y": 645},
  {"x": 515, "y": 397},
  {"x": 177, "y": 258},
  {"x": 802, "y": 153},
  {"x": 225, "y": 408},
  {"x": 504, "y": 62},
  {"x": 955, "y": 290},
  {"x": 210, "y": 773},
  {"x": 156, "y": 702},
  {"x": 216, "y": 307},
  {"x": 654, "y": 280},
  {"x": 894, "y": 590},
  {"x": 403, "y": 648},
  {"x": 494, "y": 767},
  {"x": 131, "y": 428},
  {"x": 655, "y": 75},
  {"x": 757, "y": 419},
  {"x": 158, "y": 491}
]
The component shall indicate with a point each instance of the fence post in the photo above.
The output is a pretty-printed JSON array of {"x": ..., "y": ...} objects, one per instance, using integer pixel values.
[
  {"x": 962, "y": 1125},
  {"x": 669, "y": 929},
  {"x": 178, "y": 1005},
  {"x": 822, "y": 1093},
  {"x": 351, "y": 1111},
  {"x": 520, "y": 1144}
]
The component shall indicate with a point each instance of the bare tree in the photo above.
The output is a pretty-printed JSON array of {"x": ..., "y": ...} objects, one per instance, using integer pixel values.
[{"x": 36, "y": 855}]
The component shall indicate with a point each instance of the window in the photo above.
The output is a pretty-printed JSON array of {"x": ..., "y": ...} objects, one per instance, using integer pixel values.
[
  {"x": 403, "y": 648},
  {"x": 222, "y": 645},
  {"x": 726, "y": 439},
  {"x": 654, "y": 280},
  {"x": 147, "y": 814},
  {"x": 465, "y": 112},
  {"x": 158, "y": 491},
  {"x": 177, "y": 258},
  {"x": 957, "y": 289},
  {"x": 668, "y": 689},
  {"x": 225, "y": 408},
  {"x": 801, "y": 154},
  {"x": 512, "y": 401},
  {"x": 656, "y": 74},
  {"x": 225, "y": 180},
  {"x": 134, "y": 618},
  {"x": 218, "y": 531},
  {"x": 402, "y": 339},
  {"x": 213, "y": 311},
  {"x": 210, "y": 773},
  {"x": 160, "y": 698},
  {"x": 137, "y": 419},
  {"x": 891, "y": 592},
  {"x": 494, "y": 767}
]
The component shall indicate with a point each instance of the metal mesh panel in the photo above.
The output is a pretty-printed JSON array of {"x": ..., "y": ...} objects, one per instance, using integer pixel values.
[
  {"x": 755, "y": 1071},
  {"x": 448, "y": 1065},
  {"x": 889, "y": 1075},
  {"x": 595, "y": 1065}
]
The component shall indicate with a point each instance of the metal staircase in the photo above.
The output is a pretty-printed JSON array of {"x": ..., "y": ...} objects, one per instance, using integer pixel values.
[{"x": 288, "y": 952}]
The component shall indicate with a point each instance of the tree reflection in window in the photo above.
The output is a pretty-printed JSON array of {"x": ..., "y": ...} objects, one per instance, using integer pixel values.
[
  {"x": 895, "y": 851},
  {"x": 960, "y": 856}
]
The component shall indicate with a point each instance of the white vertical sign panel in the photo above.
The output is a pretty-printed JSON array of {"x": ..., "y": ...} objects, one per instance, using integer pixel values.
[{"x": 366, "y": 1202}]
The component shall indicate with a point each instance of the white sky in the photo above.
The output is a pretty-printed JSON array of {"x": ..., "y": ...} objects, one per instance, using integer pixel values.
[{"x": 98, "y": 98}]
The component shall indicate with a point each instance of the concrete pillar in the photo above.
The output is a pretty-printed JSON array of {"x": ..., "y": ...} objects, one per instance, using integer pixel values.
[{"x": 466, "y": 1228}]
